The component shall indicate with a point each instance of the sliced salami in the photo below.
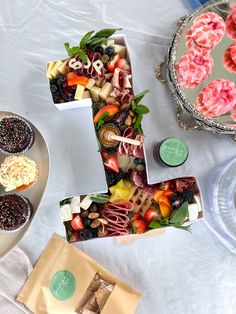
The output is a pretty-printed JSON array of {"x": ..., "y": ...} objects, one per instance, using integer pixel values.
[
  {"x": 194, "y": 67},
  {"x": 208, "y": 29},
  {"x": 217, "y": 98},
  {"x": 228, "y": 62}
]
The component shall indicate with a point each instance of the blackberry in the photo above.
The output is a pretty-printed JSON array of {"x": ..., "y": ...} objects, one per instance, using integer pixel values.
[
  {"x": 174, "y": 197},
  {"x": 109, "y": 51},
  {"x": 187, "y": 195},
  {"x": 119, "y": 118},
  {"x": 139, "y": 161},
  {"x": 93, "y": 208},
  {"x": 99, "y": 49},
  {"x": 86, "y": 234},
  {"x": 61, "y": 79},
  {"x": 94, "y": 232},
  {"x": 113, "y": 177},
  {"x": 53, "y": 88}
]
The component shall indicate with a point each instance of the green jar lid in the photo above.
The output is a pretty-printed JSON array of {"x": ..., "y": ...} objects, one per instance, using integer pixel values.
[{"x": 173, "y": 152}]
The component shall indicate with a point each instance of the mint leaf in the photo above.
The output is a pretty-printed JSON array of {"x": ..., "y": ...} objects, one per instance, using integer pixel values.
[
  {"x": 100, "y": 198},
  {"x": 85, "y": 39},
  {"x": 180, "y": 215},
  {"x": 83, "y": 56},
  {"x": 106, "y": 32},
  {"x": 137, "y": 123},
  {"x": 155, "y": 225},
  {"x": 142, "y": 109},
  {"x": 97, "y": 42},
  {"x": 73, "y": 51},
  {"x": 140, "y": 96}
]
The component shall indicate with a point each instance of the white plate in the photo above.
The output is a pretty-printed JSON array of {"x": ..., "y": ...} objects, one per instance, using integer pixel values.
[{"x": 39, "y": 153}]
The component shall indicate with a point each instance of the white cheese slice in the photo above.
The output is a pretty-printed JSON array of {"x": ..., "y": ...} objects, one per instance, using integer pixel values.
[
  {"x": 65, "y": 212},
  {"x": 110, "y": 42},
  {"x": 86, "y": 94},
  {"x": 120, "y": 49},
  {"x": 79, "y": 92},
  {"x": 90, "y": 83},
  {"x": 49, "y": 68},
  {"x": 86, "y": 202},
  {"x": 193, "y": 211},
  {"x": 54, "y": 70},
  {"x": 75, "y": 205},
  {"x": 105, "y": 91},
  {"x": 94, "y": 91},
  {"x": 62, "y": 68}
]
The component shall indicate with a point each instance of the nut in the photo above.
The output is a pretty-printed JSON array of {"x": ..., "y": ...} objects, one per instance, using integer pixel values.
[
  {"x": 95, "y": 223},
  {"x": 128, "y": 121},
  {"x": 134, "y": 119},
  {"x": 110, "y": 100},
  {"x": 125, "y": 106},
  {"x": 103, "y": 221},
  {"x": 131, "y": 113},
  {"x": 93, "y": 215},
  {"x": 102, "y": 232}
]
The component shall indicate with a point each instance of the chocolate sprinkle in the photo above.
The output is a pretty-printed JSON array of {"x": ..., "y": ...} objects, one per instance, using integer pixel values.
[
  {"x": 16, "y": 135},
  {"x": 14, "y": 211}
]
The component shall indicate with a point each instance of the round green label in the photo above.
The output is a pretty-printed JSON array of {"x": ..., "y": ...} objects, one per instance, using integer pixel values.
[
  {"x": 173, "y": 151},
  {"x": 63, "y": 285}
]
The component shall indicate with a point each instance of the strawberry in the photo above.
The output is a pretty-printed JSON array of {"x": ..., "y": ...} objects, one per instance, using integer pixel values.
[
  {"x": 77, "y": 223},
  {"x": 123, "y": 65},
  {"x": 110, "y": 162},
  {"x": 136, "y": 217},
  {"x": 138, "y": 226},
  {"x": 112, "y": 64},
  {"x": 150, "y": 215}
]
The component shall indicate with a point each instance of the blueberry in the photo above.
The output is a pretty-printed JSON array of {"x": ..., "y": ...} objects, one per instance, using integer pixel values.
[
  {"x": 109, "y": 51},
  {"x": 93, "y": 208},
  {"x": 84, "y": 213},
  {"x": 99, "y": 49},
  {"x": 86, "y": 234},
  {"x": 94, "y": 232},
  {"x": 138, "y": 161},
  {"x": 87, "y": 222}
]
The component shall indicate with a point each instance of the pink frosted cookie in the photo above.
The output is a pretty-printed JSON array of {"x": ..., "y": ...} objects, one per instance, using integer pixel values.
[
  {"x": 217, "y": 98},
  {"x": 190, "y": 43},
  {"x": 208, "y": 29},
  {"x": 233, "y": 52},
  {"x": 194, "y": 67},
  {"x": 228, "y": 61},
  {"x": 230, "y": 27},
  {"x": 233, "y": 113}
]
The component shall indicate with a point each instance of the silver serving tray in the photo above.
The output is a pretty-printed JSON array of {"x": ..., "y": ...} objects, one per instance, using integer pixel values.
[
  {"x": 187, "y": 116},
  {"x": 39, "y": 153}
]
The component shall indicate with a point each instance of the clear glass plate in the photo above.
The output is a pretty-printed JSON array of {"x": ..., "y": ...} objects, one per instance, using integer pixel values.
[{"x": 225, "y": 207}]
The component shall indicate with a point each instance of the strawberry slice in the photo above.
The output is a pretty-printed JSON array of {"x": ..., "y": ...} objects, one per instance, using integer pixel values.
[
  {"x": 110, "y": 162},
  {"x": 77, "y": 223},
  {"x": 123, "y": 65},
  {"x": 138, "y": 226},
  {"x": 112, "y": 64},
  {"x": 150, "y": 215},
  {"x": 136, "y": 217}
]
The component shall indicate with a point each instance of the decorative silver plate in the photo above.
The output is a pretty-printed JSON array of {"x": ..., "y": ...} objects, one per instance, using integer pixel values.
[{"x": 187, "y": 116}]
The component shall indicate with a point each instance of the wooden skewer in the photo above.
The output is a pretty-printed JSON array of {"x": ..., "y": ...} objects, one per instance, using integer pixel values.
[{"x": 112, "y": 136}]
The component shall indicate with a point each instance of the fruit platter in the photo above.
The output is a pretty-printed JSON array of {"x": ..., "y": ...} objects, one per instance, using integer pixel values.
[
  {"x": 130, "y": 205},
  {"x": 24, "y": 170},
  {"x": 201, "y": 68}
]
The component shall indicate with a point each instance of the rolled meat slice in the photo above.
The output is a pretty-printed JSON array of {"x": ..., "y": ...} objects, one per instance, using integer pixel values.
[
  {"x": 217, "y": 98},
  {"x": 208, "y": 29},
  {"x": 129, "y": 149}
]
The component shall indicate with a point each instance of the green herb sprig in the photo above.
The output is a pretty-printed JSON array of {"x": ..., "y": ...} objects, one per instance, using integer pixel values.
[
  {"x": 92, "y": 40},
  {"x": 177, "y": 219},
  {"x": 140, "y": 110},
  {"x": 100, "y": 198}
]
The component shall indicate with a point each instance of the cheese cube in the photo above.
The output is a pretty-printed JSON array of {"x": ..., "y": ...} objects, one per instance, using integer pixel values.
[
  {"x": 65, "y": 212},
  {"x": 120, "y": 49},
  {"x": 79, "y": 92},
  {"x": 54, "y": 70},
  {"x": 110, "y": 42},
  {"x": 49, "y": 68},
  {"x": 105, "y": 91},
  {"x": 99, "y": 82},
  {"x": 86, "y": 94},
  {"x": 62, "y": 68},
  {"x": 75, "y": 205},
  {"x": 86, "y": 202},
  {"x": 90, "y": 83},
  {"x": 94, "y": 91},
  {"x": 193, "y": 211}
]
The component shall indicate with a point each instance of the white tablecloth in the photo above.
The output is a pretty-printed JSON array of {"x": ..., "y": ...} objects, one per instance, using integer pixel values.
[{"x": 177, "y": 272}]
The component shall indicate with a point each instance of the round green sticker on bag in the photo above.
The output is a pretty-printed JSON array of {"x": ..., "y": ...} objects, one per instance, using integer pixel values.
[{"x": 63, "y": 285}]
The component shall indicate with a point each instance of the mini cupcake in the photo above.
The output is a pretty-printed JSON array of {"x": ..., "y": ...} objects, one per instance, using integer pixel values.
[
  {"x": 16, "y": 135},
  {"x": 15, "y": 212},
  {"x": 18, "y": 173}
]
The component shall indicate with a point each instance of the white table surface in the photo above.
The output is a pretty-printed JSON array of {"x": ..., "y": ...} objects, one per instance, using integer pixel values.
[{"x": 177, "y": 272}]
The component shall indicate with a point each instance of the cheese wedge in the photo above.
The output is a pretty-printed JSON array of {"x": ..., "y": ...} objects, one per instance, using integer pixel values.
[
  {"x": 86, "y": 202},
  {"x": 86, "y": 94},
  {"x": 49, "y": 68},
  {"x": 94, "y": 91},
  {"x": 54, "y": 70},
  {"x": 79, "y": 92},
  {"x": 105, "y": 91},
  {"x": 75, "y": 205},
  {"x": 63, "y": 68},
  {"x": 90, "y": 83},
  {"x": 120, "y": 49}
]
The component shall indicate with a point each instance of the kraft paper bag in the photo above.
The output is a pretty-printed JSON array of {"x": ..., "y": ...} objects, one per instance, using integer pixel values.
[{"x": 67, "y": 281}]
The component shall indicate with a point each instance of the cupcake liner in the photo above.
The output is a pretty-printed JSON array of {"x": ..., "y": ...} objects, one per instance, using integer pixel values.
[
  {"x": 31, "y": 140},
  {"x": 29, "y": 210}
]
